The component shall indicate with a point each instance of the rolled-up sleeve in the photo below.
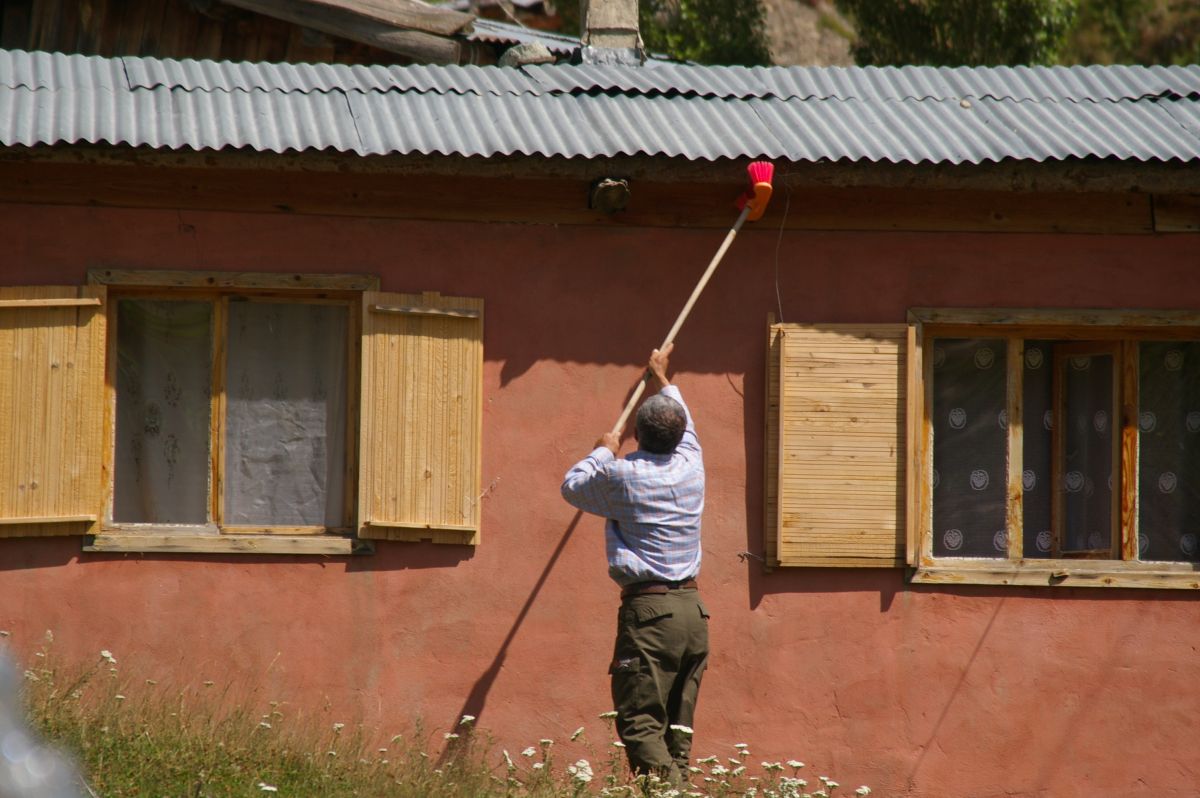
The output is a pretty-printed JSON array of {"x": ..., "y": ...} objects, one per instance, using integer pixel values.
[{"x": 586, "y": 484}]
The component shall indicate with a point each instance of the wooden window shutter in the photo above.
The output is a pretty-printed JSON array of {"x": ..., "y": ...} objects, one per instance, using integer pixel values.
[
  {"x": 51, "y": 409},
  {"x": 422, "y": 406},
  {"x": 836, "y": 451}
]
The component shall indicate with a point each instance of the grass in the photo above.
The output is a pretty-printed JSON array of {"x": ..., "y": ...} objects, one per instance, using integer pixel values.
[{"x": 136, "y": 737}]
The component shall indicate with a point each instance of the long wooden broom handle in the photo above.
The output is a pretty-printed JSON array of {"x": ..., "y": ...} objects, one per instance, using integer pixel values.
[{"x": 683, "y": 314}]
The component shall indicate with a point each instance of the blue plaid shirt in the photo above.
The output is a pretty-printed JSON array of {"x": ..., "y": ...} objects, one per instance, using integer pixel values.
[{"x": 652, "y": 503}]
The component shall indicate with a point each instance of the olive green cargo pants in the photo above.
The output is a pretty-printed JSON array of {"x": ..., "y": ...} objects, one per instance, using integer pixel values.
[{"x": 659, "y": 658}]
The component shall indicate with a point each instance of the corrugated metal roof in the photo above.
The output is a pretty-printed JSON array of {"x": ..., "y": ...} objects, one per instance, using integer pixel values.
[{"x": 907, "y": 114}]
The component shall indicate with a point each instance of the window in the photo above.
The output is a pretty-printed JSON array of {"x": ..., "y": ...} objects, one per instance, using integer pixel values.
[
  {"x": 1031, "y": 447},
  {"x": 164, "y": 411}
]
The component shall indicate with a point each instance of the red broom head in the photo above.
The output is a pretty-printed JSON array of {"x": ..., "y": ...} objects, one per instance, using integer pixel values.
[{"x": 761, "y": 173}]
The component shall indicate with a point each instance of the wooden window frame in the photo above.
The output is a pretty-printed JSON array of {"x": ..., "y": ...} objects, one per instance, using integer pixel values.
[
  {"x": 1123, "y": 330},
  {"x": 219, "y": 288}
]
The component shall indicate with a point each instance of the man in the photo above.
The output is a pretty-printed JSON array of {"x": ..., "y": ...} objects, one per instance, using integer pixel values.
[{"x": 652, "y": 501}]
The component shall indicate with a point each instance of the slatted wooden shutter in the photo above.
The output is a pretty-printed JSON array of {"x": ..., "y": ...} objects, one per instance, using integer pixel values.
[
  {"x": 422, "y": 405},
  {"x": 51, "y": 409},
  {"x": 836, "y": 445}
]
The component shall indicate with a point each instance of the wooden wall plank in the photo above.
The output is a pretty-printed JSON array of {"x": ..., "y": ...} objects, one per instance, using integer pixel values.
[
  {"x": 1177, "y": 213},
  {"x": 557, "y": 200}
]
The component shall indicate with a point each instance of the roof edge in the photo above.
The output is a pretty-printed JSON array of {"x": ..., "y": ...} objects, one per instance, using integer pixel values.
[{"x": 1099, "y": 175}]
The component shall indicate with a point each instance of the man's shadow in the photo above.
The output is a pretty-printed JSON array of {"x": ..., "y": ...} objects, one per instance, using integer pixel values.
[{"x": 477, "y": 698}]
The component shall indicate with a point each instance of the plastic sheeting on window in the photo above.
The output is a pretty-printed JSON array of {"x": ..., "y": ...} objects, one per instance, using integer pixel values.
[
  {"x": 1169, "y": 451},
  {"x": 1088, "y": 468},
  {"x": 286, "y": 414},
  {"x": 164, "y": 384},
  {"x": 970, "y": 447}
]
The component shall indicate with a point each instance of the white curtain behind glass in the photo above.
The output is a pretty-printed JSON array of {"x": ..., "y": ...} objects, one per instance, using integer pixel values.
[
  {"x": 285, "y": 414},
  {"x": 164, "y": 378}
]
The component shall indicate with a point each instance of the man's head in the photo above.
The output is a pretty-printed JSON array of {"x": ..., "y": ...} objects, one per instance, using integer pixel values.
[{"x": 660, "y": 424}]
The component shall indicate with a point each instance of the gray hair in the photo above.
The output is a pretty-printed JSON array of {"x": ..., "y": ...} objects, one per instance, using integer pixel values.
[{"x": 660, "y": 424}]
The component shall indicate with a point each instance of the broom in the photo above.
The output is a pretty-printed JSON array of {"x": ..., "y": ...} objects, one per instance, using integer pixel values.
[{"x": 752, "y": 203}]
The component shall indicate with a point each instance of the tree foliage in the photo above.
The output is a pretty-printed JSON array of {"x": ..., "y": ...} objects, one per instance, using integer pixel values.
[
  {"x": 706, "y": 31},
  {"x": 1135, "y": 32},
  {"x": 959, "y": 32}
]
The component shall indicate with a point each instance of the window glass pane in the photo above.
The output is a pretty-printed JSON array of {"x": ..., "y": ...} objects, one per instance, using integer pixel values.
[
  {"x": 286, "y": 414},
  {"x": 1087, "y": 453},
  {"x": 164, "y": 381},
  {"x": 970, "y": 444},
  {"x": 1169, "y": 451},
  {"x": 1037, "y": 402}
]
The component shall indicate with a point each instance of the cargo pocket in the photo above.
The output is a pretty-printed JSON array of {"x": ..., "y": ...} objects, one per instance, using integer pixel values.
[
  {"x": 650, "y": 613},
  {"x": 703, "y": 609},
  {"x": 634, "y": 694}
]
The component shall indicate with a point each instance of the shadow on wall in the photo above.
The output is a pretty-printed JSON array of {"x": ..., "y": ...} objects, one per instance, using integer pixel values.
[
  {"x": 617, "y": 314},
  {"x": 477, "y": 698}
]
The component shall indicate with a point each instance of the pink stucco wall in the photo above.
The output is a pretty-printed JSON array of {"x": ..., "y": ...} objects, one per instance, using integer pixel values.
[{"x": 918, "y": 691}]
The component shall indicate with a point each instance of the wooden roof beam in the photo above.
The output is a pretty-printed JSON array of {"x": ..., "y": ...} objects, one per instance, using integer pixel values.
[{"x": 406, "y": 27}]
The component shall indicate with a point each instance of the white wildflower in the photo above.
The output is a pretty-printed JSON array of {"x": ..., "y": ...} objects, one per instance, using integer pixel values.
[
  {"x": 31, "y": 676},
  {"x": 575, "y": 735},
  {"x": 108, "y": 655},
  {"x": 119, "y": 697},
  {"x": 450, "y": 736},
  {"x": 618, "y": 744},
  {"x": 530, "y": 751},
  {"x": 581, "y": 771},
  {"x": 4, "y": 633},
  {"x": 49, "y": 636},
  {"x": 208, "y": 683},
  {"x": 538, "y": 765},
  {"x": 545, "y": 742},
  {"x": 708, "y": 760},
  {"x": 331, "y": 753},
  {"x": 820, "y": 794},
  {"x": 719, "y": 770},
  {"x": 694, "y": 769},
  {"x": 337, "y": 727},
  {"x": 795, "y": 764},
  {"x": 151, "y": 682},
  {"x": 262, "y": 785},
  {"x": 39, "y": 653},
  {"x": 679, "y": 727},
  {"x": 742, "y": 746},
  {"x": 607, "y": 715},
  {"x": 466, "y": 720},
  {"x": 262, "y": 724},
  {"x": 737, "y": 771},
  {"x": 382, "y": 751},
  {"x": 397, "y": 738},
  {"x": 508, "y": 763},
  {"x": 863, "y": 790},
  {"x": 831, "y": 784}
]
